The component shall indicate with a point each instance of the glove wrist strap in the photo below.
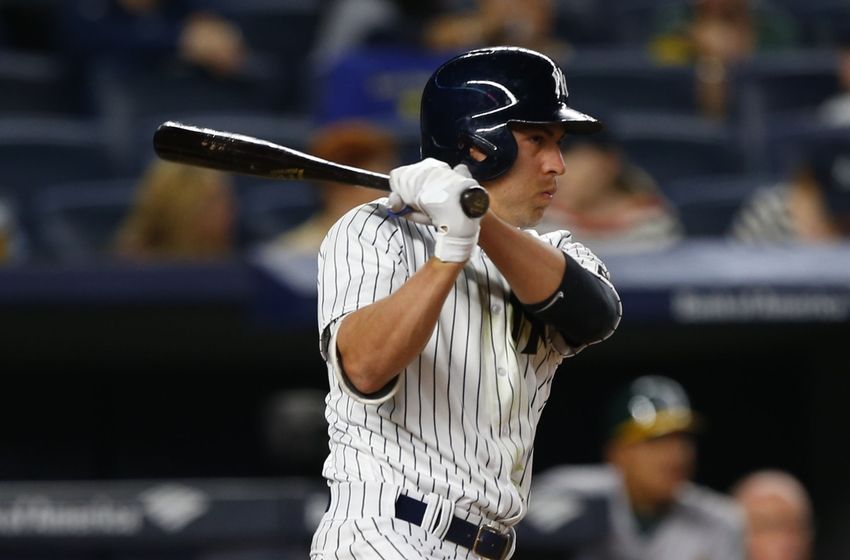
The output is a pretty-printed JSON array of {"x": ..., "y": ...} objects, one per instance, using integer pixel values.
[{"x": 455, "y": 249}]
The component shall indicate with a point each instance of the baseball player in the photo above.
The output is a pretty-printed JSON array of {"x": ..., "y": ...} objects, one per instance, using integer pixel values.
[
  {"x": 640, "y": 506},
  {"x": 442, "y": 333}
]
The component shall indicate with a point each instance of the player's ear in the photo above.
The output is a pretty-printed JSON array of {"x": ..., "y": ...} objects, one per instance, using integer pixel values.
[{"x": 476, "y": 154}]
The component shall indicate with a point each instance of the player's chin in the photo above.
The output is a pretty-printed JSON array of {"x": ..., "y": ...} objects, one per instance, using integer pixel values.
[
  {"x": 543, "y": 204},
  {"x": 534, "y": 217}
]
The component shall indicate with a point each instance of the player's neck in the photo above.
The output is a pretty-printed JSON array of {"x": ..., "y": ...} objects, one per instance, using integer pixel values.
[{"x": 645, "y": 506}]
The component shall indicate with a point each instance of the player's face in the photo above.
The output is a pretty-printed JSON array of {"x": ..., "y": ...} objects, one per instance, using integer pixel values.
[
  {"x": 777, "y": 529},
  {"x": 523, "y": 193},
  {"x": 655, "y": 469}
]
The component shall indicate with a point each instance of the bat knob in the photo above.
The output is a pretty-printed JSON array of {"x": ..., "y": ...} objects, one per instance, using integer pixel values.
[{"x": 475, "y": 201}]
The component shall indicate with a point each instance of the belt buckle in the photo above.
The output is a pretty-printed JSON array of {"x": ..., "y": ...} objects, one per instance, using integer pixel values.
[{"x": 487, "y": 528}]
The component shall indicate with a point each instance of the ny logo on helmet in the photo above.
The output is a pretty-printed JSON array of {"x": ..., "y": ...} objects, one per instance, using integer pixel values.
[{"x": 560, "y": 82}]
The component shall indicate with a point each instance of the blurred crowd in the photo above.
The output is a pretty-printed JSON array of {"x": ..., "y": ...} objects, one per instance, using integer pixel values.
[{"x": 724, "y": 118}]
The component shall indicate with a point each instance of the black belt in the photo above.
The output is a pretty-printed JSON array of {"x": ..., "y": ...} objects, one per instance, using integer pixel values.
[{"x": 483, "y": 540}]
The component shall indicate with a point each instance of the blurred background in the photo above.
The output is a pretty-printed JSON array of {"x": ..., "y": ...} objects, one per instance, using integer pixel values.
[{"x": 163, "y": 391}]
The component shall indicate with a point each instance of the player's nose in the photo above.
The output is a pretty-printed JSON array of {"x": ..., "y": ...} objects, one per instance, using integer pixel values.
[{"x": 554, "y": 161}]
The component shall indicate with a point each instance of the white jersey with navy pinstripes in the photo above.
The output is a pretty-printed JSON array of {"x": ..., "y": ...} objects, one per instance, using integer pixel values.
[{"x": 462, "y": 418}]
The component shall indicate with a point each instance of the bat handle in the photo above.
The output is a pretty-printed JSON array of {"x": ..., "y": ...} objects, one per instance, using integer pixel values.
[{"x": 474, "y": 201}]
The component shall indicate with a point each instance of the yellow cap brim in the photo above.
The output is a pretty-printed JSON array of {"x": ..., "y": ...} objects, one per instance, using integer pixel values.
[{"x": 662, "y": 423}]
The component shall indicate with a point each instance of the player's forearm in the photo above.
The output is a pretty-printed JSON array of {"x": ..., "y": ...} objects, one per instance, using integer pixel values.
[
  {"x": 534, "y": 269},
  {"x": 377, "y": 342},
  {"x": 551, "y": 285}
]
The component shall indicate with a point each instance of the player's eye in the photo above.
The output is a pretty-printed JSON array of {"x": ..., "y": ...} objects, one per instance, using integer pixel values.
[{"x": 566, "y": 142}]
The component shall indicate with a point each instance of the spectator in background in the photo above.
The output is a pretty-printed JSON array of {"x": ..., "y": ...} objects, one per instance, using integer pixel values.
[
  {"x": 155, "y": 30},
  {"x": 835, "y": 111},
  {"x": 529, "y": 24},
  {"x": 607, "y": 202},
  {"x": 11, "y": 239},
  {"x": 715, "y": 35},
  {"x": 640, "y": 505},
  {"x": 779, "y": 516},
  {"x": 181, "y": 212},
  {"x": 811, "y": 206},
  {"x": 349, "y": 24},
  {"x": 350, "y": 142}
]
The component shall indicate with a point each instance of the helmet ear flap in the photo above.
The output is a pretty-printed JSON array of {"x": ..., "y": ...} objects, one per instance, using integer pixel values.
[
  {"x": 500, "y": 152},
  {"x": 471, "y": 99}
]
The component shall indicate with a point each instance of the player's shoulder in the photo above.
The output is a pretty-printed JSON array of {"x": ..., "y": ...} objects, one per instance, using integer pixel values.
[
  {"x": 374, "y": 211},
  {"x": 555, "y": 237},
  {"x": 711, "y": 507},
  {"x": 362, "y": 222},
  {"x": 564, "y": 240},
  {"x": 369, "y": 217}
]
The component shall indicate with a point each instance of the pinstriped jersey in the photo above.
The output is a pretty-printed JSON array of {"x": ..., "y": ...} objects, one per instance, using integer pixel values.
[{"x": 461, "y": 419}]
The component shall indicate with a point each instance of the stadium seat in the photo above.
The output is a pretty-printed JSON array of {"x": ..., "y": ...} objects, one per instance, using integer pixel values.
[
  {"x": 145, "y": 89},
  {"x": 125, "y": 94},
  {"x": 781, "y": 139},
  {"x": 634, "y": 22},
  {"x": 788, "y": 140},
  {"x": 78, "y": 220},
  {"x": 671, "y": 146},
  {"x": 775, "y": 86},
  {"x": 786, "y": 81},
  {"x": 38, "y": 150},
  {"x": 267, "y": 209},
  {"x": 585, "y": 22},
  {"x": 707, "y": 204},
  {"x": 285, "y": 30},
  {"x": 622, "y": 79},
  {"x": 280, "y": 27},
  {"x": 36, "y": 83},
  {"x": 823, "y": 22}
]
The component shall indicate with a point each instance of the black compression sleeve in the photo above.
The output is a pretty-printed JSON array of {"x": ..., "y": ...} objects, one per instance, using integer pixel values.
[{"x": 584, "y": 309}]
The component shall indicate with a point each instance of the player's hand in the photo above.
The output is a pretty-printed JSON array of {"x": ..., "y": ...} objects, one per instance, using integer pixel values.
[{"x": 433, "y": 190}]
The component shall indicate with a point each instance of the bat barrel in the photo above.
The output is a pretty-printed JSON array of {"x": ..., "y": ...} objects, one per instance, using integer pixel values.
[{"x": 236, "y": 153}]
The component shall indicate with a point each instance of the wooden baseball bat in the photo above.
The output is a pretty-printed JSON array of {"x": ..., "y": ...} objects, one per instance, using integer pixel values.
[{"x": 237, "y": 153}]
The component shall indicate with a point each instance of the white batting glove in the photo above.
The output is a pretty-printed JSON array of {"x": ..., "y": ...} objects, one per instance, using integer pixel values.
[{"x": 433, "y": 190}]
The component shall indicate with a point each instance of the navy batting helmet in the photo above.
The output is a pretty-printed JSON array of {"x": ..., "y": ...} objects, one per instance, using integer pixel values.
[{"x": 470, "y": 100}]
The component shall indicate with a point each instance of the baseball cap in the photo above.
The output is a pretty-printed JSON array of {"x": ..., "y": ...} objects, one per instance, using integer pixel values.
[{"x": 650, "y": 406}]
